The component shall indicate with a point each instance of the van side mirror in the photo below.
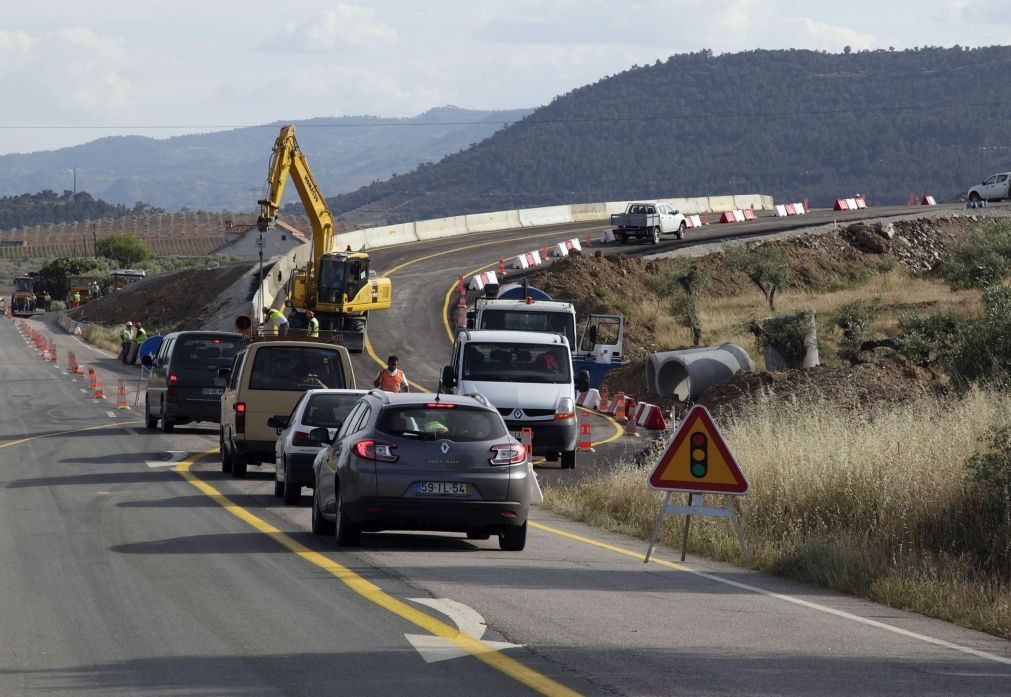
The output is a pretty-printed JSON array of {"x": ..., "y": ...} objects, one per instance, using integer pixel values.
[
  {"x": 583, "y": 381},
  {"x": 224, "y": 372},
  {"x": 448, "y": 377},
  {"x": 320, "y": 434}
]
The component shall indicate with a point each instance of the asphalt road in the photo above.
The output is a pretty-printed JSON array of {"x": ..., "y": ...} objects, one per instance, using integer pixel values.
[{"x": 122, "y": 575}]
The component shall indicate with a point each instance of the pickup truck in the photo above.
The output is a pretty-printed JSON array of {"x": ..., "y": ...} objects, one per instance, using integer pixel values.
[
  {"x": 994, "y": 187},
  {"x": 647, "y": 221}
]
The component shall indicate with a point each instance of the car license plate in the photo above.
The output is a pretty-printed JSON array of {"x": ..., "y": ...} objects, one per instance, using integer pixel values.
[
  {"x": 212, "y": 390},
  {"x": 443, "y": 489}
]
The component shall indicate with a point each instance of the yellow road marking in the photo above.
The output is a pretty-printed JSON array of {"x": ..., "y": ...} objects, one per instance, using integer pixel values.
[
  {"x": 64, "y": 433},
  {"x": 374, "y": 594}
]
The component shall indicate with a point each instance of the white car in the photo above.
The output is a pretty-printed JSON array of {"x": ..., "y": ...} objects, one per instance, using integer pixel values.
[
  {"x": 993, "y": 188},
  {"x": 295, "y": 451}
]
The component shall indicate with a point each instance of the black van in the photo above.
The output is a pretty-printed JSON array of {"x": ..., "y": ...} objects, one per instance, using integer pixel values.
[{"x": 181, "y": 382}]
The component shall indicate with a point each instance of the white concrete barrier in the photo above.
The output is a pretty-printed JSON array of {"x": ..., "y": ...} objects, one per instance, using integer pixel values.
[
  {"x": 479, "y": 281},
  {"x": 526, "y": 261},
  {"x": 589, "y": 212},
  {"x": 781, "y": 211},
  {"x": 613, "y": 207},
  {"x": 721, "y": 203},
  {"x": 549, "y": 215},
  {"x": 438, "y": 228},
  {"x": 767, "y": 203},
  {"x": 799, "y": 208},
  {"x": 354, "y": 239},
  {"x": 748, "y": 201},
  {"x": 389, "y": 235},
  {"x": 489, "y": 222}
]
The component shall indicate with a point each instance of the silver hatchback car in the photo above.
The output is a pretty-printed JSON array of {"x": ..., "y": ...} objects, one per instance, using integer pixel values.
[{"x": 416, "y": 461}]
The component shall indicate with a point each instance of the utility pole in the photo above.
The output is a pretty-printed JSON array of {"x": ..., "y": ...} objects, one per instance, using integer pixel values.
[
  {"x": 75, "y": 182},
  {"x": 94, "y": 237}
]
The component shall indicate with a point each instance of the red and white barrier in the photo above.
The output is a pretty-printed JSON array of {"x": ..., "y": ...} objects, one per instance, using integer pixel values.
[
  {"x": 563, "y": 249},
  {"x": 842, "y": 204},
  {"x": 479, "y": 281},
  {"x": 589, "y": 399},
  {"x": 781, "y": 211},
  {"x": 928, "y": 201},
  {"x": 693, "y": 221},
  {"x": 799, "y": 208},
  {"x": 732, "y": 217},
  {"x": 749, "y": 213},
  {"x": 525, "y": 261},
  {"x": 650, "y": 416},
  {"x": 861, "y": 204}
]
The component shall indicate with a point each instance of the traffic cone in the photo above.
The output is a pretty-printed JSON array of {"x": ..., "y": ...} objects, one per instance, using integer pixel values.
[
  {"x": 527, "y": 439},
  {"x": 501, "y": 268},
  {"x": 52, "y": 351},
  {"x": 630, "y": 428},
  {"x": 585, "y": 440},
  {"x": 461, "y": 308},
  {"x": 71, "y": 363},
  {"x": 92, "y": 378},
  {"x": 588, "y": 242},
  {"x": 121, "y": 395},
  {"x": 99, "y": 388},
  {"x": 605, "y": 402},
  {"x": 544, "y": 254},
  {"x": 619, "y": 406}
]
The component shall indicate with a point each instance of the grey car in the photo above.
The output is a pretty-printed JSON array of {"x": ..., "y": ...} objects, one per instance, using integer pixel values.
[{"x": 417, "y": 461}]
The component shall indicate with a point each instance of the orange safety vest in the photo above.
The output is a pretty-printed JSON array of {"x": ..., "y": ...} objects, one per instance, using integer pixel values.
[{"x": 391, "y": 383}]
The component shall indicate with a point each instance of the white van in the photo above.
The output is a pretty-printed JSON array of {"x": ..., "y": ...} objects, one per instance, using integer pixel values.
[
  {"x": 993, "y": 188},
  {"x": 528, "y": 377}
]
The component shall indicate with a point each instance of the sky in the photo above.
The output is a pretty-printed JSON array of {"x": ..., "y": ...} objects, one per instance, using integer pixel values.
[{"x": 72, "y": 71}]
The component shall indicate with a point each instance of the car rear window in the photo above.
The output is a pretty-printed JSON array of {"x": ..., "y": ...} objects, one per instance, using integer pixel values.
[
  {"x": 328, "y": 410},
  {"x": 452, "y": 422},
  {"x": 296, "y": 368},
  {"x": 206, "y": 351}
]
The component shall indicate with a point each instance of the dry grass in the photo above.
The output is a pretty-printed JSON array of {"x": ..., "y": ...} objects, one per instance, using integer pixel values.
[
  {"x": 893, "y": 293},
  {"x": 878, "y": 506},
  {"x": 104, "y": 337}
]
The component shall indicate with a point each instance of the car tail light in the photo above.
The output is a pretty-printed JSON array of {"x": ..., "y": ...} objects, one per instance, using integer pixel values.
[
  {"x": 240, "y": 407},
  {"x": 301, "y": 437},
  {"x": 439, "y": 405},
  {"x": 240, "y": 417},
  {"x": 376, "y": 450},
  {"x": 173, "y": 379},
  {"x": 508, "y": 454}
]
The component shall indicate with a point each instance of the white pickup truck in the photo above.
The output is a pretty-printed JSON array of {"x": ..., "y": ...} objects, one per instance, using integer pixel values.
[
  {"x": 647, "y": 221},
  {"x": 993, "y": 188}
]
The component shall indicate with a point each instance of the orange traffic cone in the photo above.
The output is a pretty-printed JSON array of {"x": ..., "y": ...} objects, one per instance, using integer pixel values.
[
  {"x": 619, "y": 404},
  {"x": 585, "y": 440},
  {"x": 52, "y": 351},
  {"x": 501, "y": 268},
  {"x": 605, "y": 401},
  {"x": 527, "y": 439},
  {"x": 99, "y": 388},
  {"x": 630, "y": 428},
  {"x": 121, "y": 402},
  {"x": 92, "y": 378},
  {"x": 71, "y": 363}
]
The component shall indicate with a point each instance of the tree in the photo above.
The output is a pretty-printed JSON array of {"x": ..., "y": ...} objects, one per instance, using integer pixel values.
[
  {"x": 53, "y": 276},
  {"x": 126, "y": 250},
  {"x": 765, "y": 265}
]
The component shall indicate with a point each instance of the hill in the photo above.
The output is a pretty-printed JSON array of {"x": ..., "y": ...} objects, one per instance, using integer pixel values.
[
  {"x": 226, "y": 170},
  {"x": 49, "y": 207},
  {"x": 796, "y": 124}
]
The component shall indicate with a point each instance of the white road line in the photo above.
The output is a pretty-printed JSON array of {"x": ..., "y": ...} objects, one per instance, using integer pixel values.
[
  {"x": 84, "y": 390},
  {"x": 111, "y": 414},
  {"x": 174, "y": 457},
  {"x": 434, "y": 649}
]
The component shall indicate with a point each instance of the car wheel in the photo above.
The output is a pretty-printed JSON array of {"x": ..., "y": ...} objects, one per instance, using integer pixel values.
[
  {"x": 654, "y": 237},
  {"x": 974, "y": 197},
  {"x": 320, "y": 525},
  {"x": 681, "y": 230},
  {"x": 346, "y": 533},
  {"x": 278, "y": 484},
  {"x": 292, "y": 491},
  {"x": 478, "y": 535},
  {"x": 149, "y": 421},
  {"x": 513, "y": 539},
  {"x": 623, "y": 238},
  {"x": 166, "y": 424},
  {"x": 226, "y": 457},
  {"x": 568, "y": 459},
  {"x": 239, "y": 465}
]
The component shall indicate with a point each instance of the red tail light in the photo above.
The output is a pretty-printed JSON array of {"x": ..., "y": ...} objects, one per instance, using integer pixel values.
[
  {"x": 508, "y": 454},
  {"x": 301, "y": 437},
  {"x": 240, "y": 417},
  {"x": 376, "y": 450},
  {"x": 240, "y": 407},
  {"x": 173, "y": 379},
  {"x": 439, "y": 405}
]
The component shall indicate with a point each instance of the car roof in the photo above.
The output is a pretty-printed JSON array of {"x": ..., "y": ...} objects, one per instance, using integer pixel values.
[
  {"x": 506, "y": 336},
  {"x": 203, "y": 332},
  {"x": 556, "y": 306},
  {"x": 335, "y": 390}
]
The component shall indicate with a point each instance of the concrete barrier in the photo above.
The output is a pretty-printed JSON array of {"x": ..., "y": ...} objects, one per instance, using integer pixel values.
[
  {"x": 589, "y": 212},
  {"x": 390, "y": 235},
  {"x": 721, "y": 203},
  {"x": 613, "y": 207},
  {"x": 549, "y": 215},
  {"x": 489, "y": 222},
  {"x": 767, "y": 203},
  {"x": 686, "y": 374},
  {"x": 743, "y": 201},
  {"x": 441, "y": 227},
  {"x": 354, "y": 239}
]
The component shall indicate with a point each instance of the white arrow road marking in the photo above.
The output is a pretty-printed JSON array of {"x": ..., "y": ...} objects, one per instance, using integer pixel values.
[
  {"x": 174, "y": 457},
  {"x": 466, "y": 619},
  {"x": 111, "y": 414}
]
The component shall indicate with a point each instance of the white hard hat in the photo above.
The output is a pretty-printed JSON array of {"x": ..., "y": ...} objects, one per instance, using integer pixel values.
[{"x": 129, "y": 324}]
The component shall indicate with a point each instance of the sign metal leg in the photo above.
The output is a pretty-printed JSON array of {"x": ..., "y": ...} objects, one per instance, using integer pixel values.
[
  {"x": 656, "y": 530},
  {"x": 740, "y": 532},
  {"x": 688, "y": 521}
]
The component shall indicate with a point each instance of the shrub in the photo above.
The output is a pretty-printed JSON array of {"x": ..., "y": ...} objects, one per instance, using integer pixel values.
[
  {"x": 126, "y": 250},
  {"x": 983, "y": 259},
  {"x": 855, "y": 319},
  {"x": 931, "y": 339},
  {"x": 788, "y": 334},
  {"x": 984, "y": 353}
]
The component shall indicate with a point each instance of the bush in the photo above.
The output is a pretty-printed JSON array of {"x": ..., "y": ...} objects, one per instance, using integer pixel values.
[
  {"x": 126, "y": 250},
  {"x": 786, "y": 333},
  {"x": 855, "y": 320},
  {"x": 983, "y": 259},
  {"x": 984, "y": 354},
  {"x": 931, "y": 339}
]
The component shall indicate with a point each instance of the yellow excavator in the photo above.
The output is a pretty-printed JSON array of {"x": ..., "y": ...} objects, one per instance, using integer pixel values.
[{"x": 337, "y": 286}]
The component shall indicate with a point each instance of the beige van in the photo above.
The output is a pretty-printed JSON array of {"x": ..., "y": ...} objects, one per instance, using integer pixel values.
[{"x": 266, "y": 378}]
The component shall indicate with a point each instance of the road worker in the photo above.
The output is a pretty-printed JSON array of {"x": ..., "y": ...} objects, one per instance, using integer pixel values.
[
  {"x": 139, "y": 337},
  {"x": 77, "y": 298},
  {"x": 275, "y": 321},
  {"x": 312, "y": 324},
  {"x": 391, "y": 378},
  {"x": 125, "y": 339}
]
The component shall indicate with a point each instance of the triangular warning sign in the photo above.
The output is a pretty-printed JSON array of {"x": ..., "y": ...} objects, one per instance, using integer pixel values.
[{"x": 698, "y": 459}]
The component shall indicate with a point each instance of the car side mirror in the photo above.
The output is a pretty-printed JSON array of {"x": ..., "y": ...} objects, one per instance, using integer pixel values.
[
  {"x": 278, "y": 422},
  {"x": 224, "y": 372},
  {"x": 677, "y": 212},
  {"x": 583, "y": 381},
  {"x": 448, "y": 377},
  {"x": 147, "y": 360},
  {"x": 320, "y": 434},
  {"x": 220, "y": 382}
]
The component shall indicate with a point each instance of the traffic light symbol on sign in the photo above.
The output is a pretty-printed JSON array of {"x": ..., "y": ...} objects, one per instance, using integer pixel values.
[{"x": 698, "y": 458}]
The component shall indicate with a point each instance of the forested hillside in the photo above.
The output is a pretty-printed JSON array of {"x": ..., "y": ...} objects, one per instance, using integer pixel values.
[
  {"x": 794, "y": 124},
  {"x": 49, "y": 207}
]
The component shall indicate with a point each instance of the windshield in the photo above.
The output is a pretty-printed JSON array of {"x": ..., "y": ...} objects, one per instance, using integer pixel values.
[
  {"x": 447, "y": 421},
  {"x": 295, "y": 368},
  {"x": 495, "y": 362},
  {"x": 206, "y": 351},
  {"x": 24, "y": 285},
  {"x": 328, "y": 410},
  {"x": 531, "y": 321}
]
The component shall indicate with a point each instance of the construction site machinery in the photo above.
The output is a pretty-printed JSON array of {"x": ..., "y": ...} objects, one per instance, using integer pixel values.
[
  {"x": 87, "y": 286},
  {"x": 23, "y": 299},
  {"x": 338, "y": 286},
  {"x": 122, "y": 277}
]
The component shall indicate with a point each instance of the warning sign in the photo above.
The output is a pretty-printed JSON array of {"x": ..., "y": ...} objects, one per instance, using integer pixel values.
[{"x": 697, "y": 459}]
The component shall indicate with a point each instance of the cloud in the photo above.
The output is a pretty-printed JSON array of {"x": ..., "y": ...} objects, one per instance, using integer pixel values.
[
  {"x": 812, "y": 34},
  {"x": 15, "y": 50},
  {"x": 341, "y": 27}
]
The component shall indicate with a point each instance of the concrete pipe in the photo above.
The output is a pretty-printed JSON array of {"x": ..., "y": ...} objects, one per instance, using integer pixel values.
[{"x": 687, "y": 373}]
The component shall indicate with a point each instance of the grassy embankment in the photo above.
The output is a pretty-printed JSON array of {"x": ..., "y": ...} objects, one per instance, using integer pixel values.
[{"x": 878, "y": 504}]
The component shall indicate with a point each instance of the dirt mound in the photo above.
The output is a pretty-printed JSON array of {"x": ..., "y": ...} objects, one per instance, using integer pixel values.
[{"x": 167, "y": 302}]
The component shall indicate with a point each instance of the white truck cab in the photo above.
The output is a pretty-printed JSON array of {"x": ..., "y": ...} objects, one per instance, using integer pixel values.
[
  {"x": 528, "y": 377},
  {"x": 993, "y": 188}
]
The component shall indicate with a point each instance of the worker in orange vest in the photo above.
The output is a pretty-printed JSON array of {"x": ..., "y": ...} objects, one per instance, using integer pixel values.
[{"x": 391, "y": 378}]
